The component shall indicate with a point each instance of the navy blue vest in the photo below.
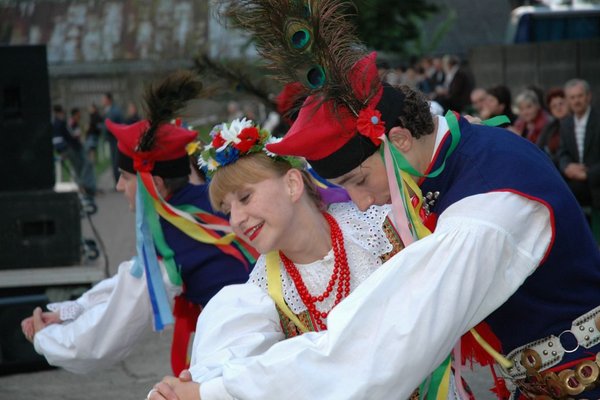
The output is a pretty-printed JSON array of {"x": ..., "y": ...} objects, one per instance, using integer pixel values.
[
  {"x": 204, "y": 268},
  {"x": 567, "y": 283}
]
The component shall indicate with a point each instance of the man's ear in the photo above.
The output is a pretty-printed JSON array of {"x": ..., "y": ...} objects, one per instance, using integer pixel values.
[
  {"x": 401, "y": 138},
  {"x": 159, "y": 182}
]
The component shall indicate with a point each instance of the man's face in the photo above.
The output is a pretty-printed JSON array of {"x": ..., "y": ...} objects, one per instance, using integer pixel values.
[
  {"x": 578, "y": 99},
  {"x": 127, "y": 185},
  {"x": 367, "y": 184},
  {"x": 478, "y": 99},
  {"x": 105, "y": 101}
]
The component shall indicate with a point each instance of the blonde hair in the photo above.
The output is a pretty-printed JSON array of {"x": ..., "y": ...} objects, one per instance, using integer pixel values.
[{"x": 254, "y": 168}]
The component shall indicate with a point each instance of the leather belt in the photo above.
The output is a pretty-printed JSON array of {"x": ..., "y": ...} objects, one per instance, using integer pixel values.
[{"x": 545, "y": 353}]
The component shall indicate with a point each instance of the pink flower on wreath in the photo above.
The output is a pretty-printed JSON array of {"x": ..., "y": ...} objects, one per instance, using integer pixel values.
[
  {"x": 218, "y": 141},
  {"x": 248, "y": 138},
  {"x": 370, "y": 124}
]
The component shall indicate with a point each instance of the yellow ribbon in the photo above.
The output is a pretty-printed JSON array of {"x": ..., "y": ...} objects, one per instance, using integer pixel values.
[
  {"x": 276, "y": 291},
  {"x": 191, "y": 229},
  {"x": 499, "y": 358}
]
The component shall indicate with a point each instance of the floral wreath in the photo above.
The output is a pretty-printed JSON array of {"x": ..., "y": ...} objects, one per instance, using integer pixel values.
[{"x": 232, "y": 141}]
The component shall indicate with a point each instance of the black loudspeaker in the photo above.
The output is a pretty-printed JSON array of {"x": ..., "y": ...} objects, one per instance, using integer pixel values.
[
  {"x": 26, "y": 153},
  {"x": 39, "y": 229},
  {"x": 17, "y": 355}
]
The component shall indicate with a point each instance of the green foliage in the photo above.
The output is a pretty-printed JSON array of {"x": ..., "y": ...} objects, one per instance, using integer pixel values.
[
  {"x": 391, "y": 25},
  {"x": 427, "y": 42}
]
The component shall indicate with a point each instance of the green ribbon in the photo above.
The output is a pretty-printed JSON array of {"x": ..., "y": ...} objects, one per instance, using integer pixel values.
[
  {"x": 429, "y": 388},
  {"x": 168, "y": 255},
  {"x": 401, "y": 162},
  {"x": 404, "y": 165},
  {"x": 496, "y": 121}
]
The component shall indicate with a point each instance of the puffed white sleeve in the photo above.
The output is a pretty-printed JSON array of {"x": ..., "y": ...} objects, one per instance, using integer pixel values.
[
  {"x": 238, "y": 322},
  {"x": 113, "y": 316},
  {"x": 400, "y": 323}
]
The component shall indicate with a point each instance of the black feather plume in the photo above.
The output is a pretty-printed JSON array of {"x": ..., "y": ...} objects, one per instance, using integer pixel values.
[
  {"x": 308, "y": 41},
  {"x": 164, "y": 100}
]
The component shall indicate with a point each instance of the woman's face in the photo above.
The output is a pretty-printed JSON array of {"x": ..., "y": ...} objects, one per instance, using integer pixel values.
[
  {"x": 558, "y": 107},
  {"x": 492, "y": 106},
  {"x": 261, "y": 213},
  {"x": 528, "y": 110}
]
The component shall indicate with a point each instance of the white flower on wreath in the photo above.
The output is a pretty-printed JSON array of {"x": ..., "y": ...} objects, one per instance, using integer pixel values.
[
  {"x": 209, "y": 163},
  {"x": 270, "y": 140},
  {"x": 230, "y": 133}
]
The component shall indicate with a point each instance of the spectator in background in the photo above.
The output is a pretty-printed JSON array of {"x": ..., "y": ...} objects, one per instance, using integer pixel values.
[
  {"x": 539, "y": 92},
  {"x": 435, "y": 73},
  {"x": 478, "y": 96},
  {"x": 532, "y": 117},
  {"x": 132, "y": 116},
  {"x": 92, "y": 135},
  {"x": 113, "y": 113},
  {"x": 579, "y": 152},
  {"x": 423, "y": 83},
  {"x": 66, "y": 140},
  {"x": 549, "y": 139},
  {"x": 458, "y": 84},
  {"x": 498, "y": 101},
  {"x": 234, "y": 111}
]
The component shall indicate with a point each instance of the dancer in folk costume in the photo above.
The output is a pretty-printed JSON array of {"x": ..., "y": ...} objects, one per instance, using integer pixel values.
[
  {"x": 511, "y": 263},
  {"x": 180, "y": 254},
  {"x": 312, "y": 257}
]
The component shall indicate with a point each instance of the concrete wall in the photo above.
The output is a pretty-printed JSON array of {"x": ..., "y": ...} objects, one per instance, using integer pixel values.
[
  {"x": 100, "y": 31},
  {"x": 96, "y": 46},
  {"x": 477, "y": 23}
]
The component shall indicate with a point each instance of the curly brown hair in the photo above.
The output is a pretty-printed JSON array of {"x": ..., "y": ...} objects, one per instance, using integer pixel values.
[{"x": 416, "y": 115}]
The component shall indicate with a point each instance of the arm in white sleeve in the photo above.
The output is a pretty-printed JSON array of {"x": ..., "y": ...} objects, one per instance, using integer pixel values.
[
  {"x": 238, "y": 322},
  {"x": 400, "y": 323},
  {"x": 116, "y": 313}
]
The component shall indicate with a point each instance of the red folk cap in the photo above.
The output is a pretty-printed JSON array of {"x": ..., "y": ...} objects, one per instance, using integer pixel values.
[
  {"x": 335, "y": 139},
  {"x": 167, "y": 158}
]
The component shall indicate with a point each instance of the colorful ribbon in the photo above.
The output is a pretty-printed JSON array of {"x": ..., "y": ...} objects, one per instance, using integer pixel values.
[
  {"x": 147, "y": 255},
  {"x": 199, "y": 225},
  {"x": 275, "y": 289},
  {"x": 411, "y": 228}
]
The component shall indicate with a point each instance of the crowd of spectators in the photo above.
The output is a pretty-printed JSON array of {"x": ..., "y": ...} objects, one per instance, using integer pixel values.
[{"x": 561, "y": 121}]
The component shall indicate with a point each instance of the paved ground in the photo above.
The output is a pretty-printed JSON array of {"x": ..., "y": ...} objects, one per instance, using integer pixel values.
[{"x": 149, "y": 360}]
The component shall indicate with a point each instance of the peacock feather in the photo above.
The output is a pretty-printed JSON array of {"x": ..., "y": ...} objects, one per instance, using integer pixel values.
[
  {"x": 308, "y": 41},
  {"x": 164, "y": 100}
]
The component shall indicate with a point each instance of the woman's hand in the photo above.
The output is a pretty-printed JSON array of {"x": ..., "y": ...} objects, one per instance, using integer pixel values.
[
  {"x": 171, "y": 388},
  {"x": 38, "y": 321}
]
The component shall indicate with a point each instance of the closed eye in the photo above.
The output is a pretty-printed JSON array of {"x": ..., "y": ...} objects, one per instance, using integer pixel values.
[
  {"x": 245, "y": 198},
  {"x": 361, "y": 181}
]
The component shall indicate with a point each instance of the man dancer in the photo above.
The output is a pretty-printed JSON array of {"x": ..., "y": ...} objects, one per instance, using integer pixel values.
[{"x": 101, "y": 327}]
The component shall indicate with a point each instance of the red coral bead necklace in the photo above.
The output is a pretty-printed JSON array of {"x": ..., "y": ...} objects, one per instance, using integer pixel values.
[{"x": 340, "y": 274}]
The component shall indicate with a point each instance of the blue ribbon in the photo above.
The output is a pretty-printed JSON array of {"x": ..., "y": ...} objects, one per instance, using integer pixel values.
[{"x": 147, "y": 254}]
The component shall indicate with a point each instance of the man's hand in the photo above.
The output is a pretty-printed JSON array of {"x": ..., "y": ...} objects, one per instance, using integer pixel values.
[
  {"x": 171, "y": 388},
  {"x": 576, "y": 171},
  {"x": 38, "y": 321},
  {"x": 473, "y": 120}
]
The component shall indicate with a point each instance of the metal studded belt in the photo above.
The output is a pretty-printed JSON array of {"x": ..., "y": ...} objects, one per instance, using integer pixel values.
[{"x": 545, "y": 353}]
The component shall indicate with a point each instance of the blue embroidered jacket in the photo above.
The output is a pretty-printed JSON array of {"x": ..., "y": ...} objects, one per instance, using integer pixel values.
[{"x": 567, "y": 283}]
